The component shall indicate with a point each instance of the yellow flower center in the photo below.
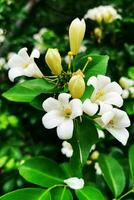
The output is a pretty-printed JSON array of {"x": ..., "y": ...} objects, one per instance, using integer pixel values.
[
  {"x": 26, "y": 65},
  {"x": 111, "y": 123},
  {"x": 99, "y": 94},
  {"x": 67, "y": 112}
]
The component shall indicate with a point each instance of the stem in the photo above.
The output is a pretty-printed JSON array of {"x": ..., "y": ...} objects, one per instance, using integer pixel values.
[
  {"x": 130, "y": 191},
  {"x": 70, "y": 55},
  {"x": 89, "y": 59},
  {"x": 54, "y": 187}
]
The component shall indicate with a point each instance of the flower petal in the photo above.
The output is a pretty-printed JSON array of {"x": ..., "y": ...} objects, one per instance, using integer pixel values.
[
  {"x": 121, "y": 118},
  {"x": 107, "y": 117},
  {"x": 92, "y": 81},
  {"x": 90, "y": 108},
  {"x": 112, "y": 98},
  {"x": 120, "y": 134},
  {"x": 67, "y": 149},
  {"x": 65, "y": 129},
  {"x": 51, "y": 104},
  {"x": 33, "y": 71},
  {"x": 64, "y": 98},
  {"x": 52, "y": 119},
  {"x": 15, "y": 72},
  {"x": 103, "y": 81},
  {"x": 113, "y": 87},
  {"x": 16, "y": 61},
  {"x": 76, "y": 106},
  {"x": 35, "y": 53},
  {"x": 104, "y": 108},
  {"x": 75, "y": 183},
  {"x": 24, "y": 55}
]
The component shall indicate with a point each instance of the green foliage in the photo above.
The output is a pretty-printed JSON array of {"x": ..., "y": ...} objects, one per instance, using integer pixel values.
[
  {"x": 113, "y": 174},
  {"x": 28, "y": 90},
  {"x": 27, "y": 193},
  {"x": 21, "y": 133},
  {"x": 131, "y": 163},
  {"x": 61, "y": 194},
  {"x": 39, "y": 171},
  {"x": 89, "y": 193}
]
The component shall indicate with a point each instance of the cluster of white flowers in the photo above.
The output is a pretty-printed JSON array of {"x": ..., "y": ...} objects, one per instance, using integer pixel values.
[
  {"x": 2, "y": 36},
  {"x": 106, "y": 14},
  {"x": 128, "y": 87},
  {"x": 61, "y": 112},
  {"x": 103, "y": 104}
]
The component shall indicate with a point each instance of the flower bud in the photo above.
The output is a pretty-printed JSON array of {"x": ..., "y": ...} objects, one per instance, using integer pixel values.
[
  {"x": 125, "y": 82},
  {"x": 108, "y": 17},
  {"x": 76, "y": 34},
  {"x": 98, "y": 32},
  {"x": 76, "y": 86},
  {"x": 125, "y": 94},
  {"x": 94, "y": 155},
  {"x": 53, "y": 60}
]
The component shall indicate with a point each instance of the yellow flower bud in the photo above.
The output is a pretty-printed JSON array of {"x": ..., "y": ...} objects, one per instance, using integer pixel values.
[
  {"x": 76, "y": 86},
  {"x": 76, "y": 34},
  {"x": 94, "y": 155},
  {"x": 53, "y": 60},
  {"x": 98, "y": 32},
  {"x": 108, "y": 17}
]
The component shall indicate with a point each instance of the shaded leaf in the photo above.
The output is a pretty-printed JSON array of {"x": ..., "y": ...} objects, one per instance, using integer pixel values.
[
  {"x": 42, "y": 171},
  {"x": 27, "y": 194},
  {"x": 113, "y": 174},
  {"x": 28, "y": 90},
  {"x": 89, "y": 193}
]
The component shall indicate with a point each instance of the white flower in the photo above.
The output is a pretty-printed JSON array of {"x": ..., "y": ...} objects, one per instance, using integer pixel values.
[
  {"x": 105, "y": 92},
  {"x": 97, "y": 168},
  {"x": 22, "y": 64},
  {"x": 60, "y": 114},
  {"x": 126, "y": 82},
  {"x": 106, "y": 14},
  {"x": 125, "y": 94},
  {"x": 75, "y": 183},
  {"x": 115, "y": 121},
  {"x": 67, "y": 149}
]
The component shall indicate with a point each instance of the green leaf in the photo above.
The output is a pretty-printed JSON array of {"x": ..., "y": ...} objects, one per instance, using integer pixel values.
[
  {"x": 131, "y": 162},
  {"x": 46, "y": 195},
  {"x": 97, "y": 66},
  {"x": 131, "y": 72},
  {"x": 85, "y": 135},
  {"x": 113, "y": 174},
  {"x": 25, "y": 194},
  {"x": 129, "y": 106},
  {"x": 89, "y": 193},
  {"x": 42, "y": 171},
  {"x": 28, "y": 90},
  {"x": 87, "y": 93},
  {"x": 37, "y": 102},
  {"x": 3, "y": 161},
  {"x": 61, "y": 194},
  {"x": 94, "y": 68}
]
